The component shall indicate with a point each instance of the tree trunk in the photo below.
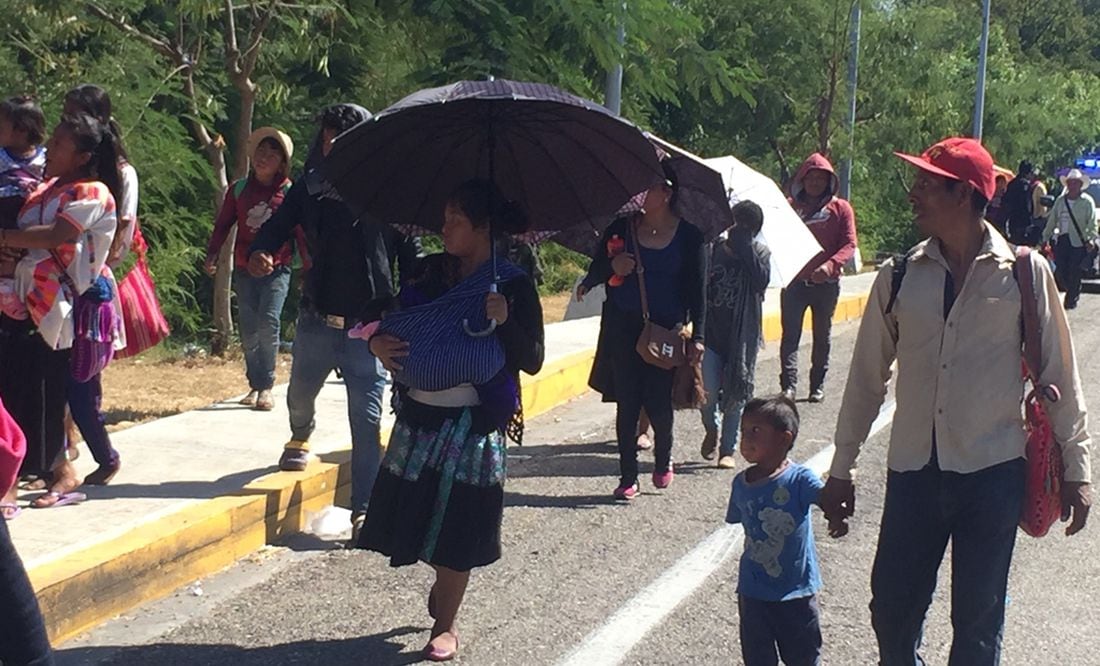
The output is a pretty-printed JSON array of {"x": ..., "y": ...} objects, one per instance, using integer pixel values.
[
  {"x": 223, "y": 283},
  {"x": 214, "y": 148},
  {"x": 223, "y": 297}
]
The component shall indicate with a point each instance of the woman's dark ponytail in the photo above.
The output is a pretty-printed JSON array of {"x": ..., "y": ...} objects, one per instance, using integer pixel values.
[
  {"x": 106, "y": 158},
  {"x": 94, "y": 101},
  {"x": 510, "y": 218},
  {"x": 96, "y": 138}
]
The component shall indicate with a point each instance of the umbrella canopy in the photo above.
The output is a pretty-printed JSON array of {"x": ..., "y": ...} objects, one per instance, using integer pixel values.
[
  {"x": 561, "y": 157},
  {"x": 700, "y": 199},
  {"x": 791, "y": 243}
]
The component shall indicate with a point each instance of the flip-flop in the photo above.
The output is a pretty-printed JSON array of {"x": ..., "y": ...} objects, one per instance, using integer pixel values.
[
  {"x": 10, "y": 510},
  {"x": 61, "y": 499}
]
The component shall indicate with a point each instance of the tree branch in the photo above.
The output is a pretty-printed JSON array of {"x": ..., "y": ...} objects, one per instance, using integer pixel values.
[
  {"x": 232, "y": 51},
  {"x": 160, "y": 45},
  {"x": 252, "y": 53}
]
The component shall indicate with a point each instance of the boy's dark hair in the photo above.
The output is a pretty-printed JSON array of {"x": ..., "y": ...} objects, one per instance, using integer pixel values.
[
  {"x": 778, "y": 410},
  {"x": 748, "y": 214},
  {"x": 25, "y": 115}
]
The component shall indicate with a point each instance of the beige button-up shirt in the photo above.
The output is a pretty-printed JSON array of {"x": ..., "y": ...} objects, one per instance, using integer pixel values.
[{"x": 960, "y": 375}]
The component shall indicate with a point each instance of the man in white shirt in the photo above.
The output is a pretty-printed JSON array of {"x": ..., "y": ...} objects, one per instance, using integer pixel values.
[
  {"x": 1073, "y": 217},
  {"x": 956, "y": 466}
]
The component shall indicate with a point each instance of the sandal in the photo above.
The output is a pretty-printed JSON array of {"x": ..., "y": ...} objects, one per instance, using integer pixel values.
[
  {"x": 249, "y": 399},
  {"x": 58, "y": 499},
  {"x": 10, "y": 510}
]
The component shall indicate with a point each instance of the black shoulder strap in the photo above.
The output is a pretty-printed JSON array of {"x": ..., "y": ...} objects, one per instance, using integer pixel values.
[
  {"x": 901, "y": 263},
  {"x": 1073, "y": 218}
]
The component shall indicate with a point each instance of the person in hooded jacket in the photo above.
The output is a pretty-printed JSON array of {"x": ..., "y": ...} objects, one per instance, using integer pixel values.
[
  {"x": 817, "y": 287},
  {"x": 354, "y": 261}
]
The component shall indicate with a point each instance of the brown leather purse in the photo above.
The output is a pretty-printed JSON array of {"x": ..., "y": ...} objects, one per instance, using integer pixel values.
[{"x": 657, "y": 345}]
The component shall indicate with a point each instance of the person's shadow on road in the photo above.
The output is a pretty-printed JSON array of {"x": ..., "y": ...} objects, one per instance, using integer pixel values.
[{"x": 382, "y": 649}]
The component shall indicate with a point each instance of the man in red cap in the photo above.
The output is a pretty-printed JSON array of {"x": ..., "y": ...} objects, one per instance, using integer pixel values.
[{"x": 956, "y": 457}]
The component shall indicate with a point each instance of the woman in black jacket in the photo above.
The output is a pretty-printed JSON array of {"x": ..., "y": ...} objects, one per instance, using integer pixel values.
[{"x": 674, "y": 261}]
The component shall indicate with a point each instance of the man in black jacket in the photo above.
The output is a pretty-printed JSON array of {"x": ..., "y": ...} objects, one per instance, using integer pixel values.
[{"x": 352, "y": 272}]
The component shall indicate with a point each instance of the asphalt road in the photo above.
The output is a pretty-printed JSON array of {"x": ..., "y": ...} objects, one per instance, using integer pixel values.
[{"x": 574, "y": 558}]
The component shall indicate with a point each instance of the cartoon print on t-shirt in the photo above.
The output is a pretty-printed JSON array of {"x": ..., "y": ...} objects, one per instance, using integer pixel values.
[
  {"x": 257, "y": 215},
  {"x": 778, "y": 525}
]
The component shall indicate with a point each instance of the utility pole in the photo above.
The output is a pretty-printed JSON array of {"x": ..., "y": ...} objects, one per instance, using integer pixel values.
[
  {"x": 983, "y": 54},
  {"x": 853, "y": 80},
  {"x": 613, "y": 85}
]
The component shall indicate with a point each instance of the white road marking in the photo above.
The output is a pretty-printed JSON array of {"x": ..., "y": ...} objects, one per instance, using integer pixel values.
[{"x": 611, "y": 643}]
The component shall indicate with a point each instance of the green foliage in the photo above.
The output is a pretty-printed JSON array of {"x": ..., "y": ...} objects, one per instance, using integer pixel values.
[
  {"x": 760, "y": 79},
  {"x": 561, "y": 268}
]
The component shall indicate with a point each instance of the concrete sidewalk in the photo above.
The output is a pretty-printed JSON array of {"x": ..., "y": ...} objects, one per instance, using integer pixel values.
[{"x": 200, "y": 490}]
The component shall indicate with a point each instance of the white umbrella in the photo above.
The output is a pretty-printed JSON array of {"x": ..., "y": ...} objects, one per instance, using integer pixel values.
[{"x": 791, "y": 243}]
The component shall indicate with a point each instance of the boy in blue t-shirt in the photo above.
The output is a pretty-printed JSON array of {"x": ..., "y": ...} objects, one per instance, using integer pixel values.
[{"x": 778, "y": 578}]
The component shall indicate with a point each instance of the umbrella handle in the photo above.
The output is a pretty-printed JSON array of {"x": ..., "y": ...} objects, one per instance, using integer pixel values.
[
  {"x": 492, "y": 322},
  {"x": 479, "y": 334}
]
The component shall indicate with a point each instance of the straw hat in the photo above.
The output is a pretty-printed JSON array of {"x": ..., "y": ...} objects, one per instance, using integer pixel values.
[{"x": 280, "y": 137}]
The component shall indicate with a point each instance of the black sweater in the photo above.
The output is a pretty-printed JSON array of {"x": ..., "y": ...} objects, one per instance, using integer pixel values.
[{"x": 354, "y": 258}]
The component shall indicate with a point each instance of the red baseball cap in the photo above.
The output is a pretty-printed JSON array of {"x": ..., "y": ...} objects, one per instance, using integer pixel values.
[{"x": 959, "y": 158}]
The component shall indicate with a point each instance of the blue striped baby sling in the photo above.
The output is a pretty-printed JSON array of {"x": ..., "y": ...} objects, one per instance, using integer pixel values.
[{"x": 441, "y": 354}]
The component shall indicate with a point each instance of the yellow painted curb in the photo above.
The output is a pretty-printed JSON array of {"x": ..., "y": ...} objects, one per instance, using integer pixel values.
[
  {"x": 86, "y": 588},
  {"x": 847, "y": 309}
]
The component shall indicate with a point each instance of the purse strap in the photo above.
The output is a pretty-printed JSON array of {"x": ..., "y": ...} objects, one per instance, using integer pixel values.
[
  {"x": 1033, "y": 336},
  {"x": 640, "y": 268},
  {"x": 1073, "y": 218}
]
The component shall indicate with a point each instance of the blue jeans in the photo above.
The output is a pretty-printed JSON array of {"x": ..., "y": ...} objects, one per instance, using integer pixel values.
[
  {"x": 792, "y": 626},
  {"x": 714, "y": 419},
  {"x": 318, "y": 349},
  {"x": 23, "y": 640},
  {"x": 978, "y": 512},
  {"x": 259, "y": 307}
]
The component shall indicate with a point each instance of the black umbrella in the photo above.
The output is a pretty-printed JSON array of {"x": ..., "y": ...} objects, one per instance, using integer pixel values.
[
  {"x": 563, "y": 158},
  {"x": 701, "y": 199}
]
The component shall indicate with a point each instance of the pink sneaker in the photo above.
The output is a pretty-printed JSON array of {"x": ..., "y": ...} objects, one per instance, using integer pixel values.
[
  {"x": 626, "y": 492},
  {"x": 663, "y": 479}
]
